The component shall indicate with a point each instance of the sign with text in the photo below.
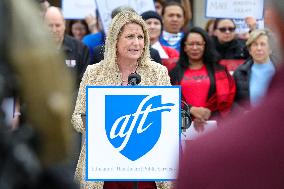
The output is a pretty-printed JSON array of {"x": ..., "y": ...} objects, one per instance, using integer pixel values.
[
  {"x": 133, "y": 133},
  {"x": 242, "y": 27},
  {"x": 78, "y": 9},
  {"x": 105, "y": 7},
  {"x": 235, "y": 9}
]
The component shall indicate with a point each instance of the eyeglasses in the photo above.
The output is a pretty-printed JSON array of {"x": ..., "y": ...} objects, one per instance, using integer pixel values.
[
  {"x": 198, "y": 45},
  {"x": 224, "y": 29}
]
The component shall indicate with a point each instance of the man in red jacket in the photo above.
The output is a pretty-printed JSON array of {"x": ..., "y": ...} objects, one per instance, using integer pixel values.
[{"x": 248, "y": 152}]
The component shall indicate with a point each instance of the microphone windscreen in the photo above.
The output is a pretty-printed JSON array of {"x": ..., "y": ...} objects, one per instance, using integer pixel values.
[{"x": 135, "y": 76}]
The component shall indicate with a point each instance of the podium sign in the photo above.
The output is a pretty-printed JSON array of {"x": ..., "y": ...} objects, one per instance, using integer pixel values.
[{"x": 133, "y": 133}]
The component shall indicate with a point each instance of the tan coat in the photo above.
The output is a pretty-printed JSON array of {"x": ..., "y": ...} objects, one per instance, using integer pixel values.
[
  {"x": 151, "y": 73},
  {"x": 107, "y": 73}
]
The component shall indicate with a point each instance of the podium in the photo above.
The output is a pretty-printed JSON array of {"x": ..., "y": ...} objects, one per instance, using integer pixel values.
[{"x": 132, "y": 133}]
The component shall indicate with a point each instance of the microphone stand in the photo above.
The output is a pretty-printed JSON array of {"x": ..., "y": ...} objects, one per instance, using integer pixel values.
[
  {"x": 133, "y": 80},
  {"x": 135, "y": 184}
]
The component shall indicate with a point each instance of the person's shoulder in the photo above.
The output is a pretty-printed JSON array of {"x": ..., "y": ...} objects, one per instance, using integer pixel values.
[
  {"x": 94, "y": 37},
  {"x": 169, "y": 48},
  {"x": 171, "y": 51},
  {"x": 99, "y": 47},
  {"x": 154, "y": 51},
  {"x": 239, "y": 43},
  {"x": 95, "y": 67},
  {"x": 242, "y": 41},
  {"x": 243, "y": 68},
  {"x": 155, "y": 73},
  {"x": 98, "y": 50},
  {"x": 70, "y": 41},
  {"x": 156, "y": 66}
]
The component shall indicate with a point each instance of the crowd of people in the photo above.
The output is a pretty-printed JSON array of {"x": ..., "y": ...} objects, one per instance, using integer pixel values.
[{"x": 165, "y": 48}]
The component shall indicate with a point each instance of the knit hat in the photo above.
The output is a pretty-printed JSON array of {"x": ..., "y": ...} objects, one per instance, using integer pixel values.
[{"x": 151, "y": 14}]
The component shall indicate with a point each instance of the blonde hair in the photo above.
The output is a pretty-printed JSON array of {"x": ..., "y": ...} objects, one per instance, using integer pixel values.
[
  {"x": 115, "y": 29},
  {"x": 255, "y": 34}
]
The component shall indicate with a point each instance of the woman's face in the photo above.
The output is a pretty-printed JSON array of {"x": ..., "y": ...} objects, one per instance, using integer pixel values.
[
  {"x": 260, "y": 50},
  {"x": 194, "y": 47},
  {"x": 78, "y": 30},
  {"x": 130, "y": 43},
  {"x": 225, "y": 31},
  {"x": 154, "y": 28}
]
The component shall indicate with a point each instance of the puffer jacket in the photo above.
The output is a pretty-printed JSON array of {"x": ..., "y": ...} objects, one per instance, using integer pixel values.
[
  {"x": 242, "y": 76},
  {"x": 235, "y": 49}
]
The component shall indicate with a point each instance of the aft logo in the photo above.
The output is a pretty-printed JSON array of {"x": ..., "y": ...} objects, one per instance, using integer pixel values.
[
  {"x": 132, "y": 133},
  {"x": 133, "y": 123}
]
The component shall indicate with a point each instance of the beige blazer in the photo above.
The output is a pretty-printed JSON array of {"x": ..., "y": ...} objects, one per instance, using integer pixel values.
[{"x": 103, "y": 73}]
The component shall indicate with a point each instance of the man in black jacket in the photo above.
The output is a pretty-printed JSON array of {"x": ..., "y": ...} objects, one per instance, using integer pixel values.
[{"x": 76, "y": 53}]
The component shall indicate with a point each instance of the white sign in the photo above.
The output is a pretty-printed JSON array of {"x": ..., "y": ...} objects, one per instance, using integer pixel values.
[
  {"x": 242, "y": 27},
  {"x": 193, "y": 132},
  {"x": 133, "y": 133},
  {"x": 78, "y": 9},
  {"x": 105, "y": 8},
  {"x": 235, "y": 9}
]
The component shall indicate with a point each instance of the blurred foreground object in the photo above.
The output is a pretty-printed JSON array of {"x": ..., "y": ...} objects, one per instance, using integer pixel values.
[
  {"x": 248, "y": 151},
  {"x": 44, "y": 84}
]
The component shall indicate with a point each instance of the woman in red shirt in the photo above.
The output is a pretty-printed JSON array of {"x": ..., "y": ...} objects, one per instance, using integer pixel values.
[{"x": 205, "y": 85}]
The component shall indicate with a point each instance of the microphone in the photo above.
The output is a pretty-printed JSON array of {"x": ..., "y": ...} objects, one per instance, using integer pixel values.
[{"x": 134, "y": 79}]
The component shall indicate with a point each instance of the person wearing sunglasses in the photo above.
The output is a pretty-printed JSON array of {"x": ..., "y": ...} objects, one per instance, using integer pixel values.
[{"x": 228, "y": 46}]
